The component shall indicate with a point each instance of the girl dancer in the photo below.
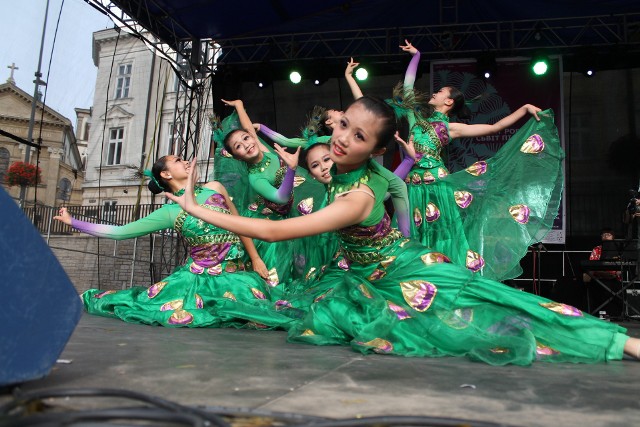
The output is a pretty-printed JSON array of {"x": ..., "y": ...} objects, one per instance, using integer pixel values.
[
  {"x": 468, "y": 214},
  {"x": 273, "y": 183},
  {"x": 212, "y": 289}
]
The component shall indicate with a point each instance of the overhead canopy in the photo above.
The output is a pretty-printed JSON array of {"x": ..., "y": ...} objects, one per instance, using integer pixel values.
[{"x": 251, "y": 32}]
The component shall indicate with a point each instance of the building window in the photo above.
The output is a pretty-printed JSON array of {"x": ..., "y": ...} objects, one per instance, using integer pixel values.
[
  {"x": 123, "y": 82},
  {"x": 64, "y": 190},
  {"x": 5, "y": 158},
  {"x": 87, "y": 126},
  {"x": 115, "y": 146}
]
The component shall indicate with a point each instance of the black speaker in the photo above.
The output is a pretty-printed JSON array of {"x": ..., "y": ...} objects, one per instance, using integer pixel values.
[{"x": 39, "y": 306}]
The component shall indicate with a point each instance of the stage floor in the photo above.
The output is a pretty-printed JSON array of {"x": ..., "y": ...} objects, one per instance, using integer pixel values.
[{"x": 258, "y": 370}]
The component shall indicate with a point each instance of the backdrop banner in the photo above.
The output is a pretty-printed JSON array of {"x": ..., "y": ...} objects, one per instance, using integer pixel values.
[{"x": 511, "y": 85}]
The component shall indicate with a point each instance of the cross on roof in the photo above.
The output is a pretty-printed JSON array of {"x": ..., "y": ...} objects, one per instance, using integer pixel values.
[{"x": 13, "y": 68}]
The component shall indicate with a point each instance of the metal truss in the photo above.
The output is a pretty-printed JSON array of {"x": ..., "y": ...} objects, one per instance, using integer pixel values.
[
  {"x": 192, "y": 59},
  {"x": 554, "y": 35}
]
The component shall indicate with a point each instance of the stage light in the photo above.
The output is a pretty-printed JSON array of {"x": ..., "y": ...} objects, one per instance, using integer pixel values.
[
  {"x": 540, "y": 65},
  {"x": 262, "y": 75},
  {"x": 362, "y": 74},
  {"x": 318, "y": 72},
  {"x": 295, "y": 77},
  {"x": 486, "y": 65}
]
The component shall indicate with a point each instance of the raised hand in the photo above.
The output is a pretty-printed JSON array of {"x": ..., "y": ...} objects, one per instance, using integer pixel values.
[
  {"x": 63, "y": 216},
  {"x": 408, "y": 47},
  {"x": 256, "y": 126},
  {"x": 234, "y": 103},
  {"x": 408, "y": 147},
  {"x": 351, "y": 65},
  {"x": 291, "y": 160}
]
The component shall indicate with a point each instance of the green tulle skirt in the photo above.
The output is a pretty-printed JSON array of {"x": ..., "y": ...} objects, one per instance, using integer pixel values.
[
  {"x": 413, "y": 304},
  {"x": 239, "y": 299},
  {"x": 486, "y": 216}
]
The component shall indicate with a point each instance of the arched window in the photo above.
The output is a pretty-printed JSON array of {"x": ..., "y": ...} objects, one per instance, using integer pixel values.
[
  {"x": 5, "y": 158},
  {"x": 64, "y": 190}
]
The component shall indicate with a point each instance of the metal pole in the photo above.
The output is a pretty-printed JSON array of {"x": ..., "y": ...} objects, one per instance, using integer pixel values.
[{"x": 34, "y": 103}]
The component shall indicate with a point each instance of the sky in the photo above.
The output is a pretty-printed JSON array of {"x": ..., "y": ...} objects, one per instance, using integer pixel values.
[{"x": 72, "y": 75}]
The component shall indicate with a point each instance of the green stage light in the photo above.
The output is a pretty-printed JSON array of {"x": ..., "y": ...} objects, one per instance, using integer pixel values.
[
  {"x": 362, "y": 74},
  {"x": 295, "y": 77},
  {"x": 540, "y": 67}
]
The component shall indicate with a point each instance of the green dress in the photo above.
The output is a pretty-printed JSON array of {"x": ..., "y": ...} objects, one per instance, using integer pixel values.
[
  {"x": 469, "y": 215},
  {"x": 393, "y": 295},
  {"x": 254, "y": 188},
  {"x": 212, "y": 289}
]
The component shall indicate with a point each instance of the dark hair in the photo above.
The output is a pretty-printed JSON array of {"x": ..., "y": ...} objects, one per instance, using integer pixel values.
[
  {"x": 323, "y": 128},
  {"x": 459, "y": 109},
  {"x": 227, "y": 141},
  {"x": 608, "y": 230},
  {"x": 386, "y": 118},
  {"x": 160, "y": 184}
]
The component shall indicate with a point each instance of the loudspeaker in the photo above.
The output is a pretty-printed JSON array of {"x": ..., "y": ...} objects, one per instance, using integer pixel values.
[{"x": 39, "y": 307}]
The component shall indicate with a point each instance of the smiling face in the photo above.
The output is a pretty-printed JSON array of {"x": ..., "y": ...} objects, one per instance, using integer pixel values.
[
  {"x": 244, "y": 146},
  {"x": 319, "y": 163},
  {"x": 355, "y": 138}
]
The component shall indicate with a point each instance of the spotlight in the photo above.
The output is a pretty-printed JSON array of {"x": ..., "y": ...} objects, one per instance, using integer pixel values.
[
  {"x": 318, "y": 72},
  {"x": 540, "y": 65},
  {"x": 263, "y": 75},
  {"x": 590, "y": 72},
  {"x": 295, "y": 77},
  {"x": 362, "y": 74},
  {"x": 486, "y": 65}
]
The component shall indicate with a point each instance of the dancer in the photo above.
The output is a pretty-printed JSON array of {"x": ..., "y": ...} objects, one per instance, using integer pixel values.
[
  {"x": 468, "y": 214},
  {"x": 395, "y": 296},
  {"x": 212, "y": 289},
  {"x": 273, "y": 183}
]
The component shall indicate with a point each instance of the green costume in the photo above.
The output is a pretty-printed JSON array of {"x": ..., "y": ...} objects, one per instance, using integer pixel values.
[
  {"x": 211, "y": 290},
  {"x": 393, "y": 295},
  {"x": 469, "y": 215}
]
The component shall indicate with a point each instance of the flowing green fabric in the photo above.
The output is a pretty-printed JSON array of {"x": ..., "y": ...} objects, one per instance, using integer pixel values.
[
  {"x": 486, "y": 216},
  {"x": 212, "y": 289},
  {"x": 393, "y": 295}
]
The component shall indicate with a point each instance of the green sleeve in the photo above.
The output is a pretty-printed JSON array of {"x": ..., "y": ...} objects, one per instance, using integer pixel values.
[{"x": 160, "y": 219}]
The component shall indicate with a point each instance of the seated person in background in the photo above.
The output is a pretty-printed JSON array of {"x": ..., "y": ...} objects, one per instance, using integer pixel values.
[
  {"x": 611, "y": 278},
  {"x": 596, "y": 254}
]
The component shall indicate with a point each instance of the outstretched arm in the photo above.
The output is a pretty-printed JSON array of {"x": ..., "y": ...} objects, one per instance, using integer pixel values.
[
  {"x": 348, "y": 74},
  {"x": 347, "y": 210},
  {"x": 461, "y": 130},
  {"x": 278, "y": 138},
  {"x": 245, "y": 121},
  {"x": 160, "y": 219}
]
